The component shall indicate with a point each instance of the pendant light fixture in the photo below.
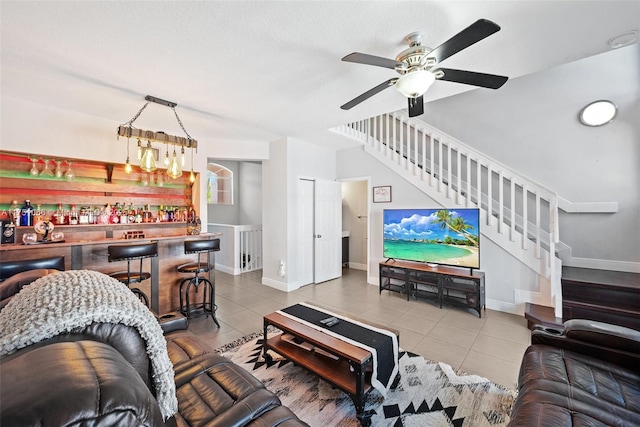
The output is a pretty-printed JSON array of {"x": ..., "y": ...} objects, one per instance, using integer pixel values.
[
  {"x": 147, "y": 155},
  {"x": 174, "y": 170},
  {"x": 148, "y": 160},
  {"x": 192, "y": 176}
]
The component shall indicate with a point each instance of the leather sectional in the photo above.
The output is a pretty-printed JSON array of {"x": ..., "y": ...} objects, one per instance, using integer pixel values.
[
  {"x": 587, "y": 374},
  {"x": 100, "y": 375}
]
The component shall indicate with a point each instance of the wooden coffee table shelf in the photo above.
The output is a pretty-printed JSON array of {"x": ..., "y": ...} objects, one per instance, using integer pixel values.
[{"x": 351, "y": 373}]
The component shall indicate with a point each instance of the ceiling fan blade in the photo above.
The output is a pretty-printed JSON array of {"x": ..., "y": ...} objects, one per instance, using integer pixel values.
[
  {"x": 490, "y": 81},
  {"x": 368, "y": 94},
  {"x": 378, "y": 61},
  {"x": 416, "y": 106},
  {"x": 475, "y": 32}
]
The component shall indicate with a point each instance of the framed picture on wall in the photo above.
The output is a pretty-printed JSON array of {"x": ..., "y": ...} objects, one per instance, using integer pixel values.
[{"x": 382, "y": 194}]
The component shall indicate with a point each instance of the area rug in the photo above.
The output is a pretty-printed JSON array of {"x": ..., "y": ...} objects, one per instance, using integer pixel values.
[{"x": 425, "y": 393}]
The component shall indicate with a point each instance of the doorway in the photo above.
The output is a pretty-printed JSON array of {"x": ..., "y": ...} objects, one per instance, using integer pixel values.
[
  {"x": 320, "y": 233},
  {"x": 355, "y": 221}
]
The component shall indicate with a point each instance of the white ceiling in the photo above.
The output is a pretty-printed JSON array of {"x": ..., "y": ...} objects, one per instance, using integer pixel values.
[{"x": 263, "y": 70}]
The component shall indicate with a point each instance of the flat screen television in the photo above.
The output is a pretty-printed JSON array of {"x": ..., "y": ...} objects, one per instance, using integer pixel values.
[{"x": 434, "y": 236}]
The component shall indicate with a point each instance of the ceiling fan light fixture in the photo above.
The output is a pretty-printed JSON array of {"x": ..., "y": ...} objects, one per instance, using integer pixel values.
[{"x": 415, "y": 83}]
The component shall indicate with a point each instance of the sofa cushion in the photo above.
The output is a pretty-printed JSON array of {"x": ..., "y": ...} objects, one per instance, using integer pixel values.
[
  {"x": 213, "y": 391},
  {"x": 574, "y": 387},
  {"x": 99, "y": 388}
]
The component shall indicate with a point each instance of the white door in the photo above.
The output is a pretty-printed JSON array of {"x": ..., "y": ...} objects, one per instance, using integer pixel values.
[
  {"x": 328, "y": 230},
  {"x": 306, "y": 232}
]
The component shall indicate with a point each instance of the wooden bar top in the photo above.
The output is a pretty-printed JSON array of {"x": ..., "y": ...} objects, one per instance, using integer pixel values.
[{"x": 110, "y": 241}]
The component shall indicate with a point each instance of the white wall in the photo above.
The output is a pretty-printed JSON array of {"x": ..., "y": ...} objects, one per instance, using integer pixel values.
[
  {"x": 504, "y": 273},
  {"x": 531, "y": 125},
  {"x": 250, "y": 193},
  {"x": 289, "y": 160}
]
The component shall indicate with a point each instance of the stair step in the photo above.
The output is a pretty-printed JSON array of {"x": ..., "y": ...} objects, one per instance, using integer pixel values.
[{"x": 541, "y": 315}]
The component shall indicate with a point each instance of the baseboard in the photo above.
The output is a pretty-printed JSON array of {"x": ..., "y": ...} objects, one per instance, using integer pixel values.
[
  {"x": 357, "y": 266},
  {"x": 603, "y": 264},
  {"x": 281, "y": 286},
  {"x": 227, "y": 269},
  {"x": 505, "y": 307}
]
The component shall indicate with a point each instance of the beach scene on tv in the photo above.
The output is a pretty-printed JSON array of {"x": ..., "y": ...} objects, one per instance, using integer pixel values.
[{"x": 440, "y": 236}]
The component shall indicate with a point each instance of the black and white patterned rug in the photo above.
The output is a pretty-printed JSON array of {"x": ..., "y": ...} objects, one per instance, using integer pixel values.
[{"x": 425, "y": 393}]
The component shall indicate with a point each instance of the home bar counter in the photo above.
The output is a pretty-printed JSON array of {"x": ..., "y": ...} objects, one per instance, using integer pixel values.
[
  {"x": 85, "y": 247},
  {"x": 77, "y": 185}
]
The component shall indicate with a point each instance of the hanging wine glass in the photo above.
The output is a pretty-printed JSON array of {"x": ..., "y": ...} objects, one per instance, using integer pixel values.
[
  {"x": 34, "y": 168},
  {"x": 59, "y": 172},
  {"x": 46, "y": 171},
  {"x": 70, "y": 174}
]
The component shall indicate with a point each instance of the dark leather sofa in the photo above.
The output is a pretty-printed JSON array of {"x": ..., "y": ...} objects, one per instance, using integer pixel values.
[
  {"x": 587, "y": 374},
  {"x": 100, "y": 375}
]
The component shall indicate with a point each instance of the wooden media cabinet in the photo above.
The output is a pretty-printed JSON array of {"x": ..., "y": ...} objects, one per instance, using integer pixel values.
[{"x": 454, "y": 285}]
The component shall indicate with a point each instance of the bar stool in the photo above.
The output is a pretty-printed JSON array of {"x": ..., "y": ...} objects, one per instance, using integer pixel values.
[
  {"x": 131, "y": 253},
  {"x": 207, "y": 307}
]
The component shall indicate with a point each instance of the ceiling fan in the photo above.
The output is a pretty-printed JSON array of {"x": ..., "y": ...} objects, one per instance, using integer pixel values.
[{"x": 418, "y": 66}]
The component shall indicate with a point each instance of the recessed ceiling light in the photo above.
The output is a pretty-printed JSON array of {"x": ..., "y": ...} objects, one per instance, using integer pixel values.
[
  {"x": 598, "y": 113},
  {"x": 624, "y": 39}
]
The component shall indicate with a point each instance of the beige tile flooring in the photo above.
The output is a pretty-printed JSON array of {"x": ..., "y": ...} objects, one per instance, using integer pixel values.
[{"x": 491, "y": 347}]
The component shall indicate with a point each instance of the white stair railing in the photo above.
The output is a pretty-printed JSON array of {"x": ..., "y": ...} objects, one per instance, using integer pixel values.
[
  {"x": 518, "y": 213},
  {"x": 249, "y": 238}
]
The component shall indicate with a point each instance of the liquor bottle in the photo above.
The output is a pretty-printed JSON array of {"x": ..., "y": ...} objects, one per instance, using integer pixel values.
[
  {"x": 84, "y": 218},
  {"x": 139, "y": 216},
  {"x": 169, "y": 214},
  {"x": 38, "y": 214},
  {"x": 15, "y": 213},
  {"x": 74, "y": 216},
  {"x": 160, "y": 213},
  {"x": 124, "y": 214},
  {"x": 26, "y": 214},
  {"x": 115, "y": 214},
  {"x": 132, "y": 214},
  {"x": 58, "y": 216},
  {"x": 105, "y": 214},
  {"x": 146, "y": 214}
]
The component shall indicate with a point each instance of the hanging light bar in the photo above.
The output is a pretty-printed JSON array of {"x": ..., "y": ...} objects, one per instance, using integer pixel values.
[{"x": 149, "y": 135}]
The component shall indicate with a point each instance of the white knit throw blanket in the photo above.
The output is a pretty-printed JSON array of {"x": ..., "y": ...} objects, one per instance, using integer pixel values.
[{"x": 61, "y": 302}]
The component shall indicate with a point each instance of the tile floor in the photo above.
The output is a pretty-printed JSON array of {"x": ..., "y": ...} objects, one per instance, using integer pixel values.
[{"x": 491, "y": 347}]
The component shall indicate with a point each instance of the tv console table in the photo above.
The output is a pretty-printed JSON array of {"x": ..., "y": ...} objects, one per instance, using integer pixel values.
[{"x": 441, "y": 283}]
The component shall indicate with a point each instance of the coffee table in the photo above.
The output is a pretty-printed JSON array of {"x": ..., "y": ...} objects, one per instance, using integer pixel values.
[{"x": 344, "y": 365}]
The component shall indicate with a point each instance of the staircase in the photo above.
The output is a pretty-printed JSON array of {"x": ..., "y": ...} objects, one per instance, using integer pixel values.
[{"x": 518, "y": 214}]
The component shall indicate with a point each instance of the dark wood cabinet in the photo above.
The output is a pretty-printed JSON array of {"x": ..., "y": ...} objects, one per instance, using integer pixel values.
[{"x": 442, "y": 284}]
